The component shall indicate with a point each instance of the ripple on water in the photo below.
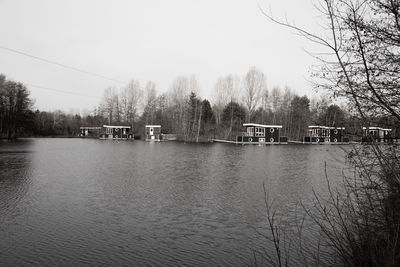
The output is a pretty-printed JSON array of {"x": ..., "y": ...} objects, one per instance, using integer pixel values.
[{"x": 84, "y": 202}]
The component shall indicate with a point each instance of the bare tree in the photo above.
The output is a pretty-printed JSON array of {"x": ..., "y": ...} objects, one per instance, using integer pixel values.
[
  {"x": 150, "y": 102},
  {"x": 195, "y": 109},
  {"x": 14, "y": 104},
  {"x": 133, "y": 95},
  {"x": 226, "y": 90},
  {"x": 285, "y": 110},
  {"x": 276, "y": 100},
  {"x": 254, "y": 83},
  {"x": 361, "y": 54},
  {"x": 360, "y": 221},
  {"x": 178, "y": 93},
  {"x": 107, "y": 104},
  {"x": 265, "y": 104}
]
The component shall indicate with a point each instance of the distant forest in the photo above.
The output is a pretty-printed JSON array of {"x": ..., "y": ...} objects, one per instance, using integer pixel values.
[{"x": 181, "y": 111}]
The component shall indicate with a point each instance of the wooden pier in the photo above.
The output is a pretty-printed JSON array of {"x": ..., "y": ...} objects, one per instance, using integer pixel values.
[
  {"x": 247, "y": 143},
  {"x": 223, "y": 141},
  {"x": 280, "y": 143}
]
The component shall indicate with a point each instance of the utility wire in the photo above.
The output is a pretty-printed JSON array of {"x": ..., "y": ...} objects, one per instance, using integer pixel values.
[
  {"x": 61, "y": 91},
  {"x": 60, "y": 64}
]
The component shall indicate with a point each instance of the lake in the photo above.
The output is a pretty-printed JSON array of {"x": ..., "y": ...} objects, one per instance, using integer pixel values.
[{"x": 78, "y": 202}]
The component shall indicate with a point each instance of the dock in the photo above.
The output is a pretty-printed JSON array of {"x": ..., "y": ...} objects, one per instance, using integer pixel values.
[
  {"x": 280, "y": 143},
  {"x": 223, "y": 141},
  {"x": 247, "y": 143},
  {"x": 295, "y": 142}
]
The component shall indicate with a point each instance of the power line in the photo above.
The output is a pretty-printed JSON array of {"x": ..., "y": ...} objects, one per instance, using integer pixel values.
[
  {"x": 61, "y": 91},
  {"x": 60, "y": 64}
]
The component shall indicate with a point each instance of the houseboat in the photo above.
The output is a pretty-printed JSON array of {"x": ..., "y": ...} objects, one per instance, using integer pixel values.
[
  {"x": 89, "y": 131},
  {"x": 116, "y": 132},
  {"x": 153, "y": 133},
  {"x": 377, "y": 134},
  {"x": 260, "y": 134},
  {"x": 325, "y": 135}
]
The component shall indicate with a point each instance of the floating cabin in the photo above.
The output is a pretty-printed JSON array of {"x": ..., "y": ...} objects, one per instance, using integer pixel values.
[
  {"x": 90, "y": 131},
  {"x": 377, "y": 134},
  {"x": 325, "y": 135},
  {"x": 116, "y": 132},
  {"x": 260, "y": 134},
  {"x": 153, "y": 133}
]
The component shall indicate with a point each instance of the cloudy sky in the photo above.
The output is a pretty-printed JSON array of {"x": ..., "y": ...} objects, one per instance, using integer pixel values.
[{"x": 154, "y": 40}]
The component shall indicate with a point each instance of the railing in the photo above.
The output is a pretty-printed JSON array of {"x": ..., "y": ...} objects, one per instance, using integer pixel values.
[
  {"x": 170, "y": 137},
  {"x": 244, "y": 134}
]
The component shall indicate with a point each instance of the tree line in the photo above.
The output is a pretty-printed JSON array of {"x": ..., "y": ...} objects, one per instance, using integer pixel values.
[
  {"x": 180, "y": 110},
  {"x": 16, "y": 114},
  {"x": 234, "y": 101}
]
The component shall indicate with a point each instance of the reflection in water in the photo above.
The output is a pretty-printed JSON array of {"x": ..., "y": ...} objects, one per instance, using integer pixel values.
[
  {"x": 15, "y": 159},
  {"x": 80, "y": 202}
]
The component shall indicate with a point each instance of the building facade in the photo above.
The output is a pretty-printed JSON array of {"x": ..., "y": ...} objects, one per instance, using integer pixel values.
[
  {"x": 377, "y": 134},
  {"x": 116, "y": 132},
  {"x": 260, "y": 134},
  {"x": 87, "y": 131},
  {"x": 153, "y": 133},
  {"x": 324, "y": 134}
]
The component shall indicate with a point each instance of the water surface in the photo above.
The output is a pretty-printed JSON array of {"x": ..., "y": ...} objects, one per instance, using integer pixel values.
[{"x": 78, "y": 202}]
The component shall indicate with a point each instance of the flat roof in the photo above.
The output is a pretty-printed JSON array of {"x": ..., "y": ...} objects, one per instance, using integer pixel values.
[
  {"x": 113, "y": 126},
  {"x": 90, "y": 128},
  {"x": 262, "y": 125},
  {"x": 376, "y": 128},
  {"x": 153, "y": 125},
  {"x": 325, "y": 127}
]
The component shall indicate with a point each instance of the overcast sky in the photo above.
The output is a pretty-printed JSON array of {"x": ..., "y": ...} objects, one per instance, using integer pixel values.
[{"x": 154, "y": 40}]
